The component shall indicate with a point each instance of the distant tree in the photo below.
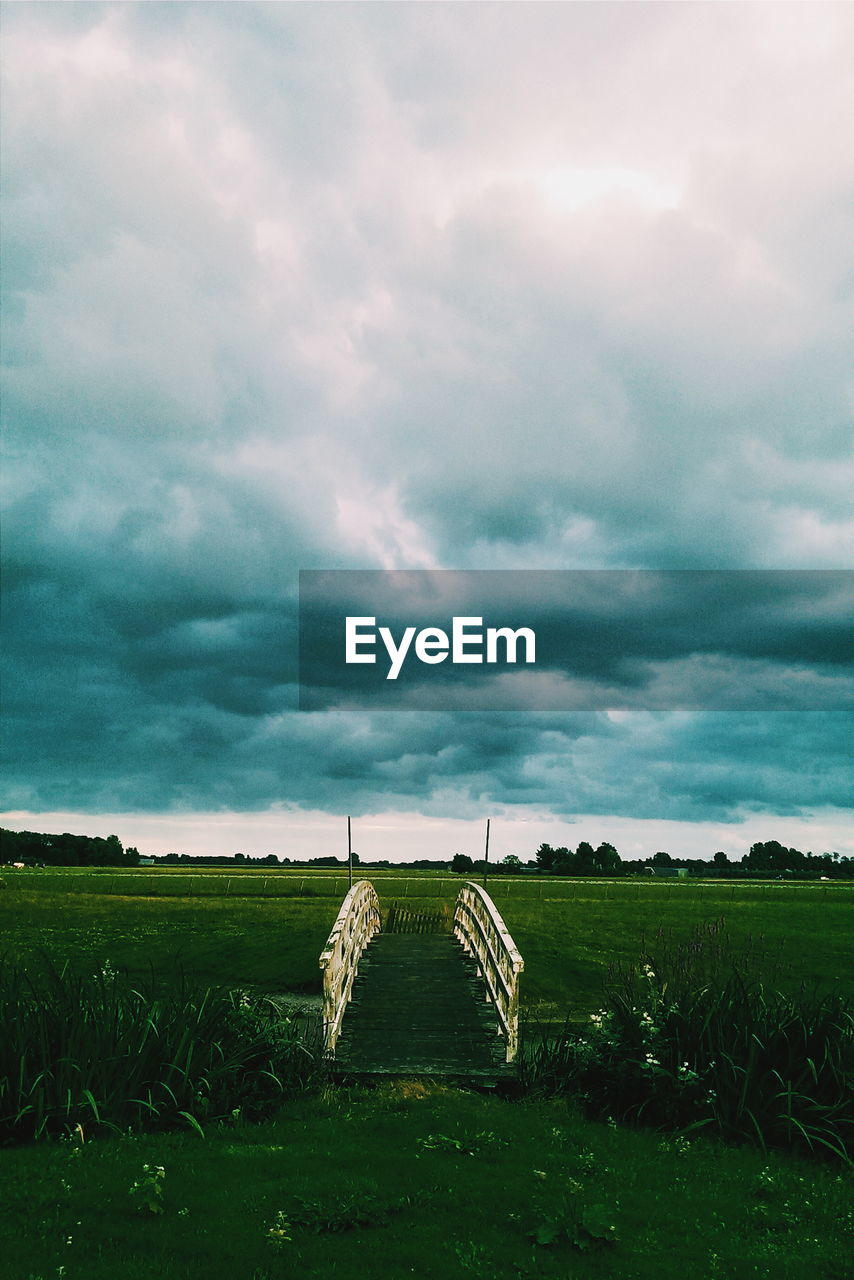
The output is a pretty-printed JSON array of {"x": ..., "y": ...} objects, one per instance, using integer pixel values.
[
  {"x": 770, "y": 855},
  {"x": 66, "y": 850},
  {"x": 545, "y": 857},
  {"x": 461, "y": 864},
  {"x": 556, "y": 861},
  {"x": 607, "y": 859},
  {"x": 720, "y": 859},
  {"x": 662, "y": 859},
  {"x": 511, "y": 862},
  {"x": 563, "y": 861},
  {"x": 584, "y": 861}
]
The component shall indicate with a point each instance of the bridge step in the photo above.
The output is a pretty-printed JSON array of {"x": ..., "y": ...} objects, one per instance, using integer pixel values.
[{"x": 418, "y": 1009}]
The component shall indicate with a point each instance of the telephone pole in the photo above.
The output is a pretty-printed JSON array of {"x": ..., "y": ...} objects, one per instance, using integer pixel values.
[{"x": 486, "y": 854}]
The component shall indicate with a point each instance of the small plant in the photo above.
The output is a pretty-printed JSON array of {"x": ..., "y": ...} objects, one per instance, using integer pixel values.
[
  {"x": 147, "y": 1192},
  {"x": 347, "y": 1212},
  {"x": 678, "y": 1145},
  {"x": 766, "y": 1185},
  {"x": 468, "y": 1146},
  {"x": 583, "y": 1162},
  {"x": 594, "y": 1227},
  {"x": 582, "y": 1227},
  {"x": 279, "y": 1233}
]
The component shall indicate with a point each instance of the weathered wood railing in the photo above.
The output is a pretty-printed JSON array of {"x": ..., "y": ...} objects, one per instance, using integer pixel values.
[
  {"x": 356, "y": 923},
  {"x": 480, "y": 929}
]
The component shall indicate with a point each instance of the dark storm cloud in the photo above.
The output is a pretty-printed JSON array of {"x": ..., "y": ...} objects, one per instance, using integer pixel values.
[
  {"x": 730, "y": 639},
  {"x": 399, "y": 286}
]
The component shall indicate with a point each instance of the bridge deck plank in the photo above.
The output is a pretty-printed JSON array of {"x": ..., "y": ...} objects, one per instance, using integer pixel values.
[{"x": 418, "y": 1008}]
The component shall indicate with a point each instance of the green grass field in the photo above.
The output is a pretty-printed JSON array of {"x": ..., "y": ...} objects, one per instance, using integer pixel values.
[
  {"x": 267, "y": 931},
  {"x": 413, "y": 1179}
]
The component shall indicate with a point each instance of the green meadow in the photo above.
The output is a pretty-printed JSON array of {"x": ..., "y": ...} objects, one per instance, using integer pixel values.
[
  {"x": 266, "y": 931},
  {"x": 412, "y": 1178}
]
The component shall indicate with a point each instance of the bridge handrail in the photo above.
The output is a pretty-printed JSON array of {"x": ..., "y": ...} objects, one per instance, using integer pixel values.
[
  {"x": 355, "y": 925},
  {"x": 483, "y": 934}
]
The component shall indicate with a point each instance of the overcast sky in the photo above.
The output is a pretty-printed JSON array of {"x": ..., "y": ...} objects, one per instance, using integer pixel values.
[{"x": 476, "y": 286}]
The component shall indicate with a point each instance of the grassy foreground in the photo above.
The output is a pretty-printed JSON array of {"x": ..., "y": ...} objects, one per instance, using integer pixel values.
[{"x": 414, "y": 1180}]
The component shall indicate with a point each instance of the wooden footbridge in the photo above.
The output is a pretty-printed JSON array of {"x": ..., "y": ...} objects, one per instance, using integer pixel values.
[{"x": 425, "y": 995}]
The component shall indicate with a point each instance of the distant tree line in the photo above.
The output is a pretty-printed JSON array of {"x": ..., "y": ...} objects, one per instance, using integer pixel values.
[
  {"x": 246, "y": 860},
  {"x": 766, "y": 858},
  {"x": 274, "y": 860},
  {"x": 33, "y": 848}
]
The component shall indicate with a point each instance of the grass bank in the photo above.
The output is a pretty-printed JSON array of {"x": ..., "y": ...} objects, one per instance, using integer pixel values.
[{"x": 414, "y": 1180}]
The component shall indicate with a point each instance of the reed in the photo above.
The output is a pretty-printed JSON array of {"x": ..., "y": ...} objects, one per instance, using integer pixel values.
[
  {"x": 694, "y": 1037},
  {"x": 97, "y": 1051}
]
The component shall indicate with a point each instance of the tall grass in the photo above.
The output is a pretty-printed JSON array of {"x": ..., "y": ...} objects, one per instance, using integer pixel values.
[
  {"x": 94, "y": 1051},
  {"x": 694, "y": 1037}
]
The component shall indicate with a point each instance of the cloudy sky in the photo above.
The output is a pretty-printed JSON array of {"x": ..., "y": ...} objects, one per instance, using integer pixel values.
[{"x": 412, "y": 286}]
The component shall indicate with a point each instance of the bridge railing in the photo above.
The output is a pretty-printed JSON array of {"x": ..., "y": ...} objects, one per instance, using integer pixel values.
[
  {"x": 355, "y": 925},
  {"x": 480, "y": 929}
]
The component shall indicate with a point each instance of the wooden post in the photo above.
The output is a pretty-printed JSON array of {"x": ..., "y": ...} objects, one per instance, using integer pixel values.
[
  {"x": 349, "y": 856},
  {"x": 486, "y": 854}
]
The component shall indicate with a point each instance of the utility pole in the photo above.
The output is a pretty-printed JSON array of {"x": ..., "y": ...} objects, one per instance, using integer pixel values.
[
  {"x": 349, "y": 856},
  {"x": 486, "y": 854}
]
